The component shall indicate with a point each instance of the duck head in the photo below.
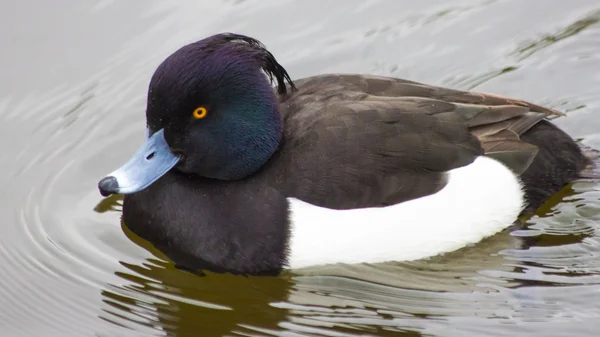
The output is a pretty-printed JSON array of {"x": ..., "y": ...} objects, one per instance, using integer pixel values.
[{"x": 211, "y": 112}]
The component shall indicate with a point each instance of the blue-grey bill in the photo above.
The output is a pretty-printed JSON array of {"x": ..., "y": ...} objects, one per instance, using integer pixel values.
[{"x": 151, "y": 161}]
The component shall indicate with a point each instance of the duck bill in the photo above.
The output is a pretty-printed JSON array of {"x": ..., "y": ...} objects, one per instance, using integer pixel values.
[{"x": 151, "y": 161}]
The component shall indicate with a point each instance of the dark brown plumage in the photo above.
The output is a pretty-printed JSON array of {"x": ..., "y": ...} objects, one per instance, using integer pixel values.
[{"x": 355, "y": 141}]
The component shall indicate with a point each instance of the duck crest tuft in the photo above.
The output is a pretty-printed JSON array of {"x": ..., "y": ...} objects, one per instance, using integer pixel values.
[{"x": 257, "y": 51}]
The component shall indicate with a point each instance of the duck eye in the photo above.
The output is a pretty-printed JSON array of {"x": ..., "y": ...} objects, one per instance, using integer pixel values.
[{"x": 200, "y": 112}]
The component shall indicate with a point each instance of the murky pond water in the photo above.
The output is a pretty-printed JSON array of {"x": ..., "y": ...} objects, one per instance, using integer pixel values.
[{"x": 73, "y": 80}]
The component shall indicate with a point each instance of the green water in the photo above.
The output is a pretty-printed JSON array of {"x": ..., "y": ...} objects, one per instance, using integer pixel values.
[{"x": 73, "y": 82}]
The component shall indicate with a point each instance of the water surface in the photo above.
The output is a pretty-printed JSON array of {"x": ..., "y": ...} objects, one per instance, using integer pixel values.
[{"x": 73, "y": 82}]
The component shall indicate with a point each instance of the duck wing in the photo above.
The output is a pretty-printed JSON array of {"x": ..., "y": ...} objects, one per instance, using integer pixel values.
[{"x": 354, "y": 141}]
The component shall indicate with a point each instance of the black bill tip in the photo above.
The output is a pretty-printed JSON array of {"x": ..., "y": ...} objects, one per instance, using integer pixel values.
[{"x": 108, "y": 185}]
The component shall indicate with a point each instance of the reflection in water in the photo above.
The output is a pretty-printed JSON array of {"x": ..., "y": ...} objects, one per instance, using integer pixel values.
[
  {"x": 183, "y": 304},
  {"x": 569, "y": 31}
]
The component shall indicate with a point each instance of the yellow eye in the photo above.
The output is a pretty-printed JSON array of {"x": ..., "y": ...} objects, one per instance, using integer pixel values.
[{"x": 200, "y": 112}]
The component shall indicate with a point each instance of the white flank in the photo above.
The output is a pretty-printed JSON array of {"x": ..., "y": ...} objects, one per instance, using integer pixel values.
[{"x": 479, "y": 200}]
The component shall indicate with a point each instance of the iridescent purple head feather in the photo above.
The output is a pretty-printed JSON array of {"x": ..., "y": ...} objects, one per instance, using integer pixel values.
[{"x": 231, "y": 75}]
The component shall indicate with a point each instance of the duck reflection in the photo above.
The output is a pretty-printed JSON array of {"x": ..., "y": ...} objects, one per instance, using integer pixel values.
[
  {"x": 179, "y": 303},
  {"x": 371, "y": 300}
]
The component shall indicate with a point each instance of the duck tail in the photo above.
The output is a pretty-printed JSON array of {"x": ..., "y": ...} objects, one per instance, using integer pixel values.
[{"x": 592, "y": 170}]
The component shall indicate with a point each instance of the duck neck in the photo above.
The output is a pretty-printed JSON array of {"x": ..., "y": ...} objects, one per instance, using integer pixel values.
[{"x": 252, "y": 140}]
